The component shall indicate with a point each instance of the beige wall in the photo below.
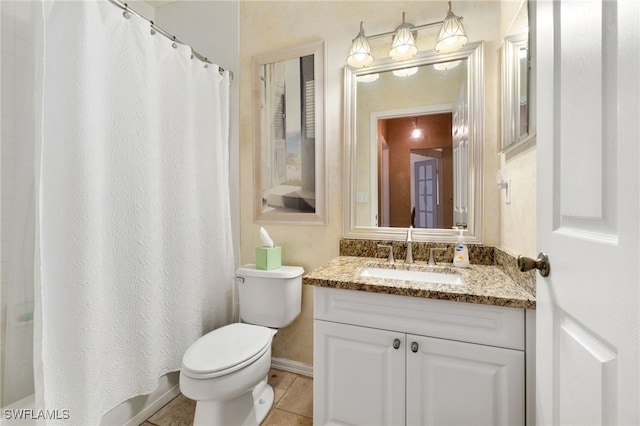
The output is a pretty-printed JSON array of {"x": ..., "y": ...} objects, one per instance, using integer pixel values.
[
  {"x": 266, "y": 26},
  {"x": 518, "y": 219}
]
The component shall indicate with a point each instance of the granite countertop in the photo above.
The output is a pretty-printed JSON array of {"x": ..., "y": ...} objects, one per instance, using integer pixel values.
[{"x": 484, "y": 284}]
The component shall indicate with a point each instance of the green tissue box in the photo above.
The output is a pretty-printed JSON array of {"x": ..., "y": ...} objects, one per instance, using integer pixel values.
[{"x": 268, "y": 257}]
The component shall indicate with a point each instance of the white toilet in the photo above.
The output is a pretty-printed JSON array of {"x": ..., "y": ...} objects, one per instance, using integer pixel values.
[{"x": 225, "y": 371}]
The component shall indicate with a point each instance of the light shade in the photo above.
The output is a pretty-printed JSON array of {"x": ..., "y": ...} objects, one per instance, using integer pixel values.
[
  {"x": 367, "y": 78},
  {"x": 404, "y": 46},
  {"x": 360, "y": 55},
  {"x": 444, "y": 66},
  {"x": 405, "y": 72},
  {"x": 452, "y": 35}
]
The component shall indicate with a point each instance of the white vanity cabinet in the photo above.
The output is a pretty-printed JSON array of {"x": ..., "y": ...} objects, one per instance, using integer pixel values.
[
  {"x": 381, "y": 359},
  {"x": 459, "y": 383},
  {"x": 360, "y": 377}
]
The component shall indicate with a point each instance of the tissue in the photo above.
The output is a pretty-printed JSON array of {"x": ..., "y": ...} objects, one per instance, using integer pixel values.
[
  {"x": 268, "y": 256},
  {"x": 266, "y": 239}
]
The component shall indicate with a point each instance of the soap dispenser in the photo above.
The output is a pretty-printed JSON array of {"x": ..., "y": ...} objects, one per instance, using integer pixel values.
[{"x": 461, "y": 252}]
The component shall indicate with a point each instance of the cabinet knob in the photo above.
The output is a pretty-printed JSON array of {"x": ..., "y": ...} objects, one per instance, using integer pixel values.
[
  {"x": 414, "y": 346},
  {"x": 396, "y": 343}
]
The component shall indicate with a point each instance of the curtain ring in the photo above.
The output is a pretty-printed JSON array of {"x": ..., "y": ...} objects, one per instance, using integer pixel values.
[
  {"x": 153, "y": 31},
  {"x": 174, "y": 44},
  {"x": 126, "y": 13}
]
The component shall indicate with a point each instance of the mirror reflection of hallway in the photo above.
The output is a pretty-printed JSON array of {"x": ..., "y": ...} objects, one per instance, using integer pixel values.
[{"x": 415, "y": 171}]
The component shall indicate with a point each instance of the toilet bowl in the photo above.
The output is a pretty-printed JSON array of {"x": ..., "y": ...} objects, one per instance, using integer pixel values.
[
  {"x": 225, "y": 371},
  {"x": 223, "y": 368}
]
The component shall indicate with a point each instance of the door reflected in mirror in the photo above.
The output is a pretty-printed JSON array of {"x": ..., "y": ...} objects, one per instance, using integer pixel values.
[
  {"x": 515, "y": 89},
  {"x": 523, "y": 91}
]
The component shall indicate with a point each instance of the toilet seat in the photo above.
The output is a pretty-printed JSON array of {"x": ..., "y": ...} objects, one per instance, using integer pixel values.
[{"x": 226, "y": 349}]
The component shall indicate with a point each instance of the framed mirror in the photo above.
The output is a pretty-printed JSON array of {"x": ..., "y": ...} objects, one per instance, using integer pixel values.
[
  {"x": 413, "y": 147},
  {"x": 289, "y": 146},
  {"x": 515, "y": 89}
]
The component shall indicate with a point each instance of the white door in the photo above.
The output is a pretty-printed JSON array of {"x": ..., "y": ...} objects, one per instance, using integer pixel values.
[
  {"x": 588, "y": 212},
  {"x": 426, "y": 194},
  {"x": 384, "y": 191},
  {"x": 457, "y": 383},
  {"x": 358, "y": 375}
]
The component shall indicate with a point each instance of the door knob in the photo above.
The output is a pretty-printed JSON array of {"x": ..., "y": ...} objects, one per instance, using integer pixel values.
[
  {"x": 541, "y": 264},
  {"x": 396, "y": 343},
  {"x": 414, "y": 347}
]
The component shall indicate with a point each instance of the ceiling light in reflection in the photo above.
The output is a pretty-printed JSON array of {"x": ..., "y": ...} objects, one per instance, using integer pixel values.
[
  {"x": 368, "y": 78},
  {"x": 443, "y": 66},
  {"x": 405, "y": 72}
]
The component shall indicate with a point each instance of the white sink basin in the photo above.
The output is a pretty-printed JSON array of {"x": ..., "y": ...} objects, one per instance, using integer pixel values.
[{"x": 422, "y": 276}]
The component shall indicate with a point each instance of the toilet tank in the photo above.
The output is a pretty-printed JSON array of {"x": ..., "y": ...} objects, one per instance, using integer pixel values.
[{"x": 272, "y": 298}]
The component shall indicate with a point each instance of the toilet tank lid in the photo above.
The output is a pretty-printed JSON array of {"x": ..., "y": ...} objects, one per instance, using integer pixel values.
[{"x": 281, "y": 272}]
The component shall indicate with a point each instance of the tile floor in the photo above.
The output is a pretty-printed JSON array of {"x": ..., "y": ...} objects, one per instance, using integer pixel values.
[{"x": 293, "y": 404}]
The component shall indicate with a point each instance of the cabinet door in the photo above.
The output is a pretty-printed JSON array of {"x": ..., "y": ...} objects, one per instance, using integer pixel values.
[
  {"x": 456, "y": 383},
  {"x": 358, "y": 375}
]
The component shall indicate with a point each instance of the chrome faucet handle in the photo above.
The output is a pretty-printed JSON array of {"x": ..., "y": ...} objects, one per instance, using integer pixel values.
[
  {"x": 409, "y": 258},
  {"x": 432, "y": 261},
  {"x": 390, "y": 258}
]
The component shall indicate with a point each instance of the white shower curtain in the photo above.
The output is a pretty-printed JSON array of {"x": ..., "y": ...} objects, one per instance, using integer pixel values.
[
  {"x": 136, "y": 258},
  {"x": 19, "y": 81}
]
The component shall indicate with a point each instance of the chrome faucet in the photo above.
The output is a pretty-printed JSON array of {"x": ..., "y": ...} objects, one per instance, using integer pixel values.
[
  {"x": 409, "y": 258},
  {"x": 432, "y": 262},
  {"x": 390, "y": 258}
]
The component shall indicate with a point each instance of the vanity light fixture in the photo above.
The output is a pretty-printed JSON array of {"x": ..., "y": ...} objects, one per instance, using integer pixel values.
[
  {"x": 452, "y": 35},
  {"x": 451, "y": 38},
  {"x": 404, "y": 45},
  {"x": 360, "y": 55}
]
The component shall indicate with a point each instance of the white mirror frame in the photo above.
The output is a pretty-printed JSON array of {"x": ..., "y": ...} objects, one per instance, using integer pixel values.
[
  {"x": 473, "y": 52},
  {"x": 319, "y": 217},
  {"x": 511, "y": 92}
]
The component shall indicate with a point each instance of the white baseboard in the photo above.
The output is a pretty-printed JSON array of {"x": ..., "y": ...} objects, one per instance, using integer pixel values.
[{"x": 292, "y": 366}]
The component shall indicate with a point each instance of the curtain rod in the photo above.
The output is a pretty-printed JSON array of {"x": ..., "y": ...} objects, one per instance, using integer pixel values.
[{"x": 171, "y": 37}]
